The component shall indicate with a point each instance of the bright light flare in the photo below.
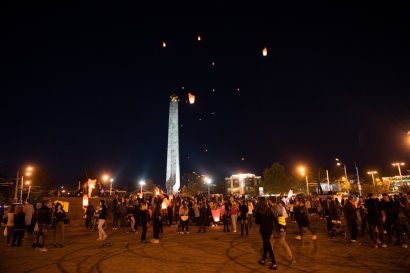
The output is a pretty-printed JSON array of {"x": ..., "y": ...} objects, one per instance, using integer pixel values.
[
  {"x": 199, "y": 38},
  {"x": 191, "y": 98},
  {"x": 265, "y": 52},
  {"x": 164, "y": 44}
]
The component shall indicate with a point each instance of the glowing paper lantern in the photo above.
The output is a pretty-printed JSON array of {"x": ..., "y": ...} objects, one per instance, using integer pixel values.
[
  {"x": 216, "y": 215},
  {"x": 191, "y": 98},
  {"x": 91, "y": 186},
  {"x": 265, "y": 52},
  {"x": 85, "y": 200},
  {"x": 199, "y": 38},
  {"x": 164, "y": 44}
]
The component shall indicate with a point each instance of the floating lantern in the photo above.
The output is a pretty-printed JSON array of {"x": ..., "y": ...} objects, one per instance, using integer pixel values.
[
  {"x": 191, "y": 98},
  {"x": 265, "y": 52},
  {"x": 85, "y": 200},
  {"x": 199, "y": 38},
  {"x": 164, "y": 44}
]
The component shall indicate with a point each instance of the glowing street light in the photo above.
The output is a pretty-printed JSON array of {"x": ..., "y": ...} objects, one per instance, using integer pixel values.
[
  {"x": 208, "y": 181},
  {"x": 398, "y": 164},
  {"x": 111, "y": 181},
  {"x": 302, "y": 172},
  {"x": 29, "y": 188},
  {"x": 142, "y": 183},
  {"x": 339, "y": 163},
  {"x": 29, "y": 169},
  {"x": 105, "y": 178},
  {"x": 372, "y": 173}
]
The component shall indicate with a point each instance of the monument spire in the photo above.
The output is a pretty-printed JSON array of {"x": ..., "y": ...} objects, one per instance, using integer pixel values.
[{"x": 173, "y": 175}]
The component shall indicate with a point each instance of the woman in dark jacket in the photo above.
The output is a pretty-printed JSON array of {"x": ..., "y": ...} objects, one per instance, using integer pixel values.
[
  {"x": 19, "y": 227},
  {"x": 264, "y": 218},
  {"x": 58, "y": 218}
]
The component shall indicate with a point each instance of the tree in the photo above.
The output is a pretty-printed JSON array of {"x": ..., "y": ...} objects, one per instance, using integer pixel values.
[
  {"x": 41, "y": 178},
  {"x": 191, "y": 184},
  {"x": 275, "y": 179}
]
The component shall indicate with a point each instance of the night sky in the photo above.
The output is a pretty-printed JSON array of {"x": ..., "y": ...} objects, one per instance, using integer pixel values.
[{"x": 88, "y": 90}]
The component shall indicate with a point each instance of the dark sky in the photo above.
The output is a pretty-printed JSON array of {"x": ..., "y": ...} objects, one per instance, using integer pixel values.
[{"x": 85, "y": 89}]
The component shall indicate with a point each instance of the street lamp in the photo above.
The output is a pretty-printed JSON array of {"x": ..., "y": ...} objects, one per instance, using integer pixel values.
[
  {"x": 111, "y": 180},
  {"x": 29, "y": 188},
  {"x": 372, "y": 173},
  {"x": 28, "y": 173},
  {"x": 339, "y": 163},
  {"x": 398, "y": 164},
  {"x": 302, "y": 172},
  {"x": 208, "y": 181},
  {"x": 142, "y": 183}
]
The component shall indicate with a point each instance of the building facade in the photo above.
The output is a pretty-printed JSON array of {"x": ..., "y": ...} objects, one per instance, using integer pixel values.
[{"x": 246, "y": 183}]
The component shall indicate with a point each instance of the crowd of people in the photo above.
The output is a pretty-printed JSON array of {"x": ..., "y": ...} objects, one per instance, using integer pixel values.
[
  {"x": 36, "y": 222},
  {"x": 385, "y": 220}
]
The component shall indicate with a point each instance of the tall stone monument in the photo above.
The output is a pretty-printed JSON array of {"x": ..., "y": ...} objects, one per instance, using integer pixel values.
[{"x": 173, "y": 176}]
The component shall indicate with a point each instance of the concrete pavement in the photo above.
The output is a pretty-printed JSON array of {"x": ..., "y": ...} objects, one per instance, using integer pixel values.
[{"x": 213, "y": 251}]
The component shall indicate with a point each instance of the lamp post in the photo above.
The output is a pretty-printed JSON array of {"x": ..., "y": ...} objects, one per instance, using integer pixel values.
[
  {"x": 347, "y": 180},
  {"x": 142, "y": 183},
  {"x": 372, "y": 173},
  {"x": 302, "y": 172},
  {"x": 208, "y": 181},
  {"x": 398, "y": 164},
  {"x": 28, "y": 173},
  {"x": 111, "y": 180},
  {"x": 29, "y": 188}
]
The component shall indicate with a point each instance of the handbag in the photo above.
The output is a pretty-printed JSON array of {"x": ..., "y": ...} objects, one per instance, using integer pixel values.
[
  {"x": 35, "y": 227},
  {"x": 66, "y": 220}
]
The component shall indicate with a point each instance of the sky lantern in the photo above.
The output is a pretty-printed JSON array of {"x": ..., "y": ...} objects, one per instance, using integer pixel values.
[
  {"x": 265, "y": 52},
  {"x": 191, "y": 98},
  {"x": 164, "y": 44},
  {"x": 199, "y": 38}
]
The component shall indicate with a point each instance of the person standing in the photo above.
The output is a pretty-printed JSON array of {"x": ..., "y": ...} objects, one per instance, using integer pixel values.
[
  {"x": 204, "y": 215},
  {"x": 351, "y": 218},
  {"x": 101, "y": 220},
  {"x": 156, "y": 215},
  {"x": 279, "y": 228},
  {"x": 302, "y": 218},
  {"x": 10, "y": 224},
  {"x": 184, "y": 214},
  {"x": 375, "y": 221},
  {"x": 43, "y": 222},
  {"x": 144, "y": 220},
  {"x": 59, "y": 216},
  {"x": 332, "y": 216},
  {"x": 250, "y": 212},
  {"x": 387, "y": 208},
  {"x": 19, "y": 227},
  {"x": 363, "y": 215},
  {"x": 264, "y": 218},
  {"x": 28, "y": 212},
  {"x": 234, "y": 215},
  {"x": 243, "y": 214},
  {"x": 89, "y": 214}
]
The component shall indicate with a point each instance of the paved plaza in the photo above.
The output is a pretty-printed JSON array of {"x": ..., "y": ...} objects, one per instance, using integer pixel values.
[{"x": 213, "y": 251}]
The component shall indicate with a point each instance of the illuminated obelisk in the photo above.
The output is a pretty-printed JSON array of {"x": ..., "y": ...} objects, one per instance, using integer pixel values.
[{"x": 173, "y": 177}]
